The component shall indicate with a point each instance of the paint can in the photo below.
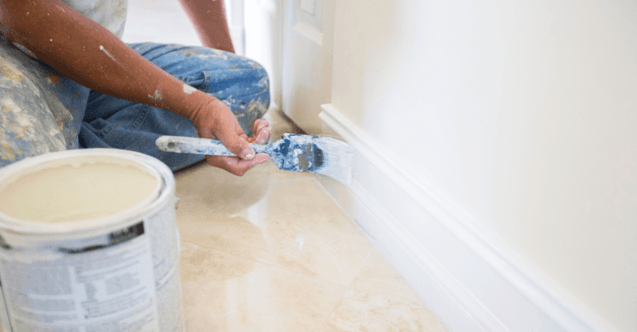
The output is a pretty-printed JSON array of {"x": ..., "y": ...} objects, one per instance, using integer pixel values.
[{"x": 89, "y": 243}]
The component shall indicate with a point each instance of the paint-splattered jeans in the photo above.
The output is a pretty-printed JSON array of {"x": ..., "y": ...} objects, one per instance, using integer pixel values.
[{"x": 41, "y": 111}]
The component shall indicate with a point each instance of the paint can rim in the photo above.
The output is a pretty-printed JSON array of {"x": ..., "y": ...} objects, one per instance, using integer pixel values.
[{"x": 163, "y": 192}]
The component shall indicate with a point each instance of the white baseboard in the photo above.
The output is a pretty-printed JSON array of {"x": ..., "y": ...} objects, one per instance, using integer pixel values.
[{"x": 465, "y": 274}]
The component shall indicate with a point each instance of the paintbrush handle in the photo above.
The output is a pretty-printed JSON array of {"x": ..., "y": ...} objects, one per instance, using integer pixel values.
[
  {"x": 292, "y": 152},
  {"x": 195, "y": 145}
]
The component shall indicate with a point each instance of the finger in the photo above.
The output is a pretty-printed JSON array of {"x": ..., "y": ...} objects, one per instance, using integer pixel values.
[
  {"x": 263, "y": 135},
  {"x": 260, "y": 124},
  {"x": 244, "y": 137},
  {"x": 234, "y": 143},
  {"x": 262, "y": 132},
  {"x": 235, "y": 165}
]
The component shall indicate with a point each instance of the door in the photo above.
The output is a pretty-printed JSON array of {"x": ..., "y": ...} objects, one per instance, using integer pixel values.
[{"x": 308, "y": 38}]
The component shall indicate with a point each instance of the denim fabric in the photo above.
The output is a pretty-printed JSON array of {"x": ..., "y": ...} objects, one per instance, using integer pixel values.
[
  {"x": 240, "y": 83},
  {"x": 109, "y": 122}
]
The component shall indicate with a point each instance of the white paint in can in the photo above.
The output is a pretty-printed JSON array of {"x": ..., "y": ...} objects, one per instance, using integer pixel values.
[{"x": 89, "y": 242}]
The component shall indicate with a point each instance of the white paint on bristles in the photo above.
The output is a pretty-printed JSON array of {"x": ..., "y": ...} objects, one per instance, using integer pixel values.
[{"x": 338, "y": 159}]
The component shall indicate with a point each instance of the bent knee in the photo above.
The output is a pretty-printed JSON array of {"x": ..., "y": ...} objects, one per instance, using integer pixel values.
[
  {"x": 248, "y": 79},
  {"x": 260, "y": 76}
]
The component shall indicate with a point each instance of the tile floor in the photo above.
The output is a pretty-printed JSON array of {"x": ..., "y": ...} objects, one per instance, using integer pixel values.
[{"x": 272, "y": 252}]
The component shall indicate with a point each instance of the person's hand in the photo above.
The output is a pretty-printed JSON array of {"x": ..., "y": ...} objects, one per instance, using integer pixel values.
[{"x": 215, "y": 120}]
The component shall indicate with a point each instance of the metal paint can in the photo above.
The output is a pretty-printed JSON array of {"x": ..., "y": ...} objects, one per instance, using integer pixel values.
[{"x": 89, "y": 243}]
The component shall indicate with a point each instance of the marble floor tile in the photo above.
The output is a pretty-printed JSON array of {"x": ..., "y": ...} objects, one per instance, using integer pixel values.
[
  {"x": 366, "y": 311},
  {"x": 378, "y": 275},
  {"x": 288, "y": 224},
  {"x": 380, "y": 300},
  {"x": 377, "y": 268},
  {"x": 223, "y": 293}
]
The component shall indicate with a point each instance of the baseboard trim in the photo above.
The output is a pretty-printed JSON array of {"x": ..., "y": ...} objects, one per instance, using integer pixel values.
[
  {"x": 516, "y": 298},
  {"x": 422, "y": 270}
]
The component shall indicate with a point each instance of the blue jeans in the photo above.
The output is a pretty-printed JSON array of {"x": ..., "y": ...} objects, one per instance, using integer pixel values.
[{"x": 81, "y": 118}]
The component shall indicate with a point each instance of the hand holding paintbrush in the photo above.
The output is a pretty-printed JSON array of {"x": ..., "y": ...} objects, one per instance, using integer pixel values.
[{"x": 299, "y": 153}]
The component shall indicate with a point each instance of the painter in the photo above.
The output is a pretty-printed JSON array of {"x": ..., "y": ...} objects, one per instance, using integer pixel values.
[{"x": 68, "y": 82}]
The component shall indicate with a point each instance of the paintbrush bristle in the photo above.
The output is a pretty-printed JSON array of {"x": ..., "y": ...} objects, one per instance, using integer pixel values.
[
  {"x": 314, "y": 154},
  {"x": 337, "y": 159}
]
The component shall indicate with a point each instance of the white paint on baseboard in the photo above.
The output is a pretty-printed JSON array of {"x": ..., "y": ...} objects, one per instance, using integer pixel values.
[{"x": 467, "y": 276}]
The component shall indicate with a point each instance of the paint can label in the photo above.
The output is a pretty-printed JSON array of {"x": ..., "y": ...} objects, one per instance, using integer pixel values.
[
  {"x": 101, "y": 283},
  {"x": 4, "y": 315},
  {"x": 164, "y": 240}
]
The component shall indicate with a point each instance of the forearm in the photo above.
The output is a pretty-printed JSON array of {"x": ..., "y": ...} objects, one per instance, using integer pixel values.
[
  {"x": 89, "y": 54},
  {"x": 209, "y": 19}
]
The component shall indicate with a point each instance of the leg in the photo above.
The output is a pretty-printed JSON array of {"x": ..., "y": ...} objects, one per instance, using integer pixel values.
[
  {"x": 37, "y": 107},
  {"x": 240, "y": 83}
]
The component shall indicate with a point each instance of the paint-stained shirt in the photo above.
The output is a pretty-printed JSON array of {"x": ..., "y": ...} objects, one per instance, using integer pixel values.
[{"x": 111, "y": 14}]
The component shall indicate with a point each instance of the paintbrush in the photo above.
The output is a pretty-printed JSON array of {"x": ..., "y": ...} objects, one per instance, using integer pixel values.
[{"x": 292, "y": 152}]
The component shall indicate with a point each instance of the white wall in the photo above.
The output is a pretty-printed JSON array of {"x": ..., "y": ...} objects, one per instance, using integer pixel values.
[
  {"x": 524, "y": 113},
  {"x": 263, "y": 40},
  {"x": 146, "y": 22}
]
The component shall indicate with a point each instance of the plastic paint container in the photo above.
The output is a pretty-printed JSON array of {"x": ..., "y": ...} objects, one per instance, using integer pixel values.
[{"x": 89, "y": 243}]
